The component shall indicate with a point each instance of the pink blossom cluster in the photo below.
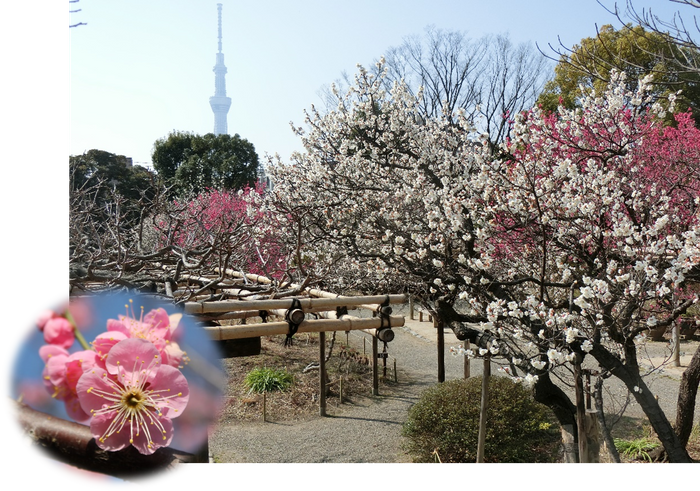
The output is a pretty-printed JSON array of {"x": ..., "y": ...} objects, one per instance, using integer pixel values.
[
  {"x": 232, "y": 218},
  {"x": 126, "y": 383}
]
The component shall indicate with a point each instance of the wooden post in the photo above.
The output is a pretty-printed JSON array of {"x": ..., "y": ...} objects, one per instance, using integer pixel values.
[
  {"x": 420, "y": 316},
  {"x": 440, "y": 350},
  {"x": 580, "y": 413},
  {"x": 410, "y": 307},
  {"x": 264, "y": 406},
  {"x": 569, "y": 444},
  {"x": 322, "y": 372},
  {"x": 340, "y": 389},
  {"x": 676, "y": 343},
  {"x": 375, "y": 367},
  {"x": 467, "y": 361},
  {"x": 592, "y": 430},
  {"x": 396, "y": 376},
  {"x": 484, "y": 406}
]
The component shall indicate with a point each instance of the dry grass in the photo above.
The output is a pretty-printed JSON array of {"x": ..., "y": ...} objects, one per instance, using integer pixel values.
[{"x": 301, "y": 401}]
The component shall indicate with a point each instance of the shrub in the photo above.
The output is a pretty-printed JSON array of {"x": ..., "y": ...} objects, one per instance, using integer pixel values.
[
  {"x": 267, "y": 380},
  {"x": 445, "y": 423}
]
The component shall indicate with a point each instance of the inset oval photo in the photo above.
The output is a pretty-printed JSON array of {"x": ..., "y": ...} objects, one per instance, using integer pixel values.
[{"x": 122, "y": 385}]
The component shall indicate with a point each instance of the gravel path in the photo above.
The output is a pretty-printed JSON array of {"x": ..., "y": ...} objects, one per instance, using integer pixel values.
[{"x": 369, "y": 429}]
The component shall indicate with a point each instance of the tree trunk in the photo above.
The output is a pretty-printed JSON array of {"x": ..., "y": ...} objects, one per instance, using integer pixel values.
[
  {"x": 687, "y": 394},
  {"x": 551, "y": 395},
  {"x": 628, "y": 373}
]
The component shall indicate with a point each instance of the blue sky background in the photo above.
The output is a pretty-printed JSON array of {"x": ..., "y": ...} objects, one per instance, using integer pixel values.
[{"x": 140, "y": 69}]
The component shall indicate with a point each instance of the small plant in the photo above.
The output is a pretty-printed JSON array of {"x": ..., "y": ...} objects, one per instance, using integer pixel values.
[
  {"x": 262, "y": 380},
  {"x": 636, "y": 449}
]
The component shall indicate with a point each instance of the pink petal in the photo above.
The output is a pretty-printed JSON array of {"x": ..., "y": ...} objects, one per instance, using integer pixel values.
[
  {"x": 159, "y": 438},
  {"x": 129, "y": 357},
  {"x": 59, "y": 331},
  {"x": 174, "y": 384},
  {"x": 99, "y": 426},
  {"x": 74, "y": 410},
  {"x": 88, "y": 386},
  {"x": 158, "y": 318},
  {"x": 56, "y": 370},
  {"x": 118, "y": 325},
  {"x": 172, "y": 354},
  {"x": 76, "y": 364},
  {"x": 104, "y": 342},
  {"x": 49, "y": 350}
]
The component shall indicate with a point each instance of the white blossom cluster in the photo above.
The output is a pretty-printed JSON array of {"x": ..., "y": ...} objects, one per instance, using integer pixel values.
[{"x": 554, "y": 241}]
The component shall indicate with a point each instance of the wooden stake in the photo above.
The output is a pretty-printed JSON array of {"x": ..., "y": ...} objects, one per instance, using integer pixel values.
[
  {"x": 580, "y": 414},
  {"x": 467, "y": 361},
  {"x": 375, "y": 367},
  {"x": 264, "y": 406},
  {"x": 441, "y": 350},
  {"x": 322, "y": 372},
  {"x": 484, "y": 406}
]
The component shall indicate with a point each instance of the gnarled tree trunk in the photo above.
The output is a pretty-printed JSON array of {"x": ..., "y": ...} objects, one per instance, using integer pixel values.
[
  {"x": 628, "y": 373},
  {"x": 687, "y": 394}
]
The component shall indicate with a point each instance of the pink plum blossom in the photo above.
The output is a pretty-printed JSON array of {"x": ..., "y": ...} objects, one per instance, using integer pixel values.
[
  {"x": 156, "y": 326},
  {"x": 133, "y": 400},
  {"x": 104, "y": 342},
  {"x": 61, "y": 375},
  {"x": 59, "y": 331}
]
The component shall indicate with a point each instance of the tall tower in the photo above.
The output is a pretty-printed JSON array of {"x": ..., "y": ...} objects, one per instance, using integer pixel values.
[{"x": 219, "y": 103}]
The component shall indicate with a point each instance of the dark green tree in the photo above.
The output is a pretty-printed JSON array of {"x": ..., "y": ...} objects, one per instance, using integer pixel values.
[
  {"x": 106, "y": 173},
  {"x": 191, "y": 163},
  {"x": 634, "y": 50}
]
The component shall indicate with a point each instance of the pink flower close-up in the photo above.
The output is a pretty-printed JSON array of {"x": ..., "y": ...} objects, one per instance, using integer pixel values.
[
  {"x": 61, "y": 375},
  {"x": 156, "y": 326},
  {"x": 133, "y": 400},
  {"x": 59, "y": 331}
]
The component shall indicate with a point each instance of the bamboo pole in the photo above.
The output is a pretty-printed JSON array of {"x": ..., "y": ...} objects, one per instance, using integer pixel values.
[
  {"x": 307, "y": 304},
  {"x": 222, "y": 333},
  {"x": 313, "y": 292}
]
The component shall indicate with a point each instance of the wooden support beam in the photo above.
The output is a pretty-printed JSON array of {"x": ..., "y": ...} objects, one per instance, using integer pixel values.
[
  {"x": 307, "y": 304},
  {"x": 221, "y": 333}
]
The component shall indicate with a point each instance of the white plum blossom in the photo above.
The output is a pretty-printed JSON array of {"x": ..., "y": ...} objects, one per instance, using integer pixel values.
[{"x": 554, "y": 236}]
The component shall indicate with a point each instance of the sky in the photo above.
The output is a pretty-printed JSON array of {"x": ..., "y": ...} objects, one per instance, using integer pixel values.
[{"x": 141, "y": 69}]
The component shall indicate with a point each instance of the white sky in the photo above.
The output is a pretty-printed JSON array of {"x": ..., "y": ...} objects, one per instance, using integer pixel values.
[{"x": 140, "y": 69}]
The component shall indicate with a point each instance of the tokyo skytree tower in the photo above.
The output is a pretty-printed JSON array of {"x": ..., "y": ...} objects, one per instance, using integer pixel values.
[{"x": 219, "y": 103}]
